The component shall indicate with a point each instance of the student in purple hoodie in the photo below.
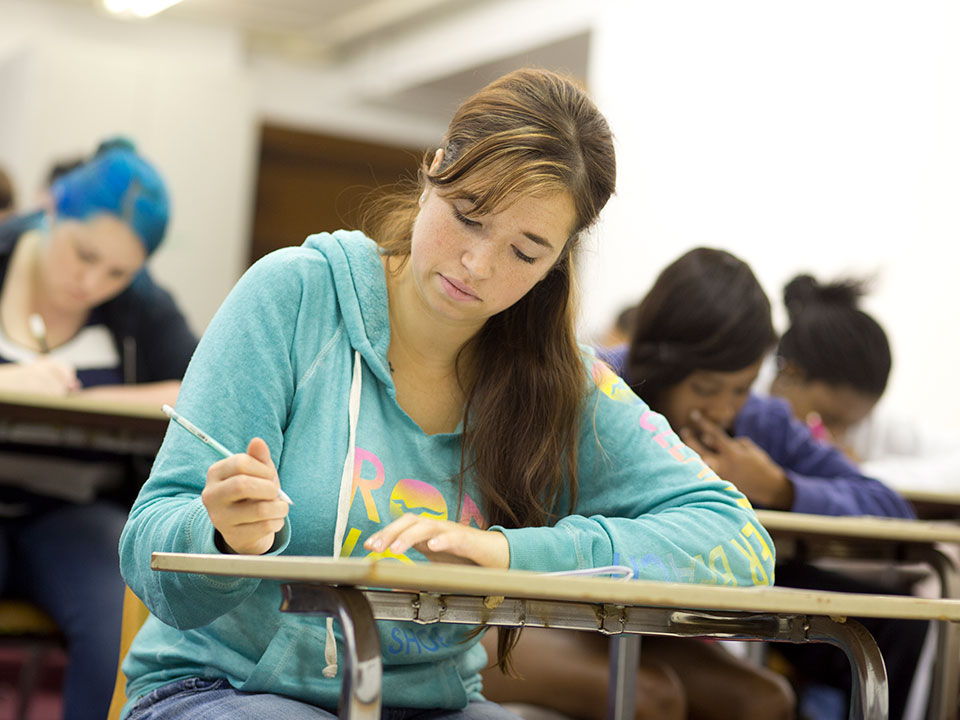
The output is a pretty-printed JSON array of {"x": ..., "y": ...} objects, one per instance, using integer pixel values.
[{"x": 697, "y": 343}]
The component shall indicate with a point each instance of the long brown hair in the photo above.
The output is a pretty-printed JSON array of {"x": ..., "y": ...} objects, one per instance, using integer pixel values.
[{"x": 531, "y": 132}]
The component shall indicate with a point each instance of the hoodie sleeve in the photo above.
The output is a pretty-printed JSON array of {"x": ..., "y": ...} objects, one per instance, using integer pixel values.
[
  {"x": 824, "y": 481},
  {"x": 647, "y": 501},
  {"x": 244, "y": 360}
]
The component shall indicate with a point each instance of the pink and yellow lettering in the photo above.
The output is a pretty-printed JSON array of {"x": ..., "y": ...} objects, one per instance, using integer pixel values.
[
  {"x": 749, "y": 531},
  {"x": 418, "y": 498},
  {"x": 366, "y": 486},
  {"x": 350, "y": 542},
  {"x": 611, "y": 384},
  {"x": 388, "y": 555},
  {"x": 471, "y": 513},
  {"x": 645, "y": 423},
  {"x": 756, "y": 567},
  {"x": 727, "y": 577}
]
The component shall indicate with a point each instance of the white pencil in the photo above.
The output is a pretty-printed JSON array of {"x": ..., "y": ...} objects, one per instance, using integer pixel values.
[{"x": 201, "y": 435}]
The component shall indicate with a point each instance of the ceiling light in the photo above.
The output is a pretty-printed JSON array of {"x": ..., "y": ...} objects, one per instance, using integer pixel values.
[{"x": 138, "y": 8}]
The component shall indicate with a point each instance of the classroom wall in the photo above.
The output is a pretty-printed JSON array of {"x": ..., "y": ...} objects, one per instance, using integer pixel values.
[
  {"x": 817, "y": 136},
  {"x": 803, "y": 137},
  {"x": 69, "y": 77}
]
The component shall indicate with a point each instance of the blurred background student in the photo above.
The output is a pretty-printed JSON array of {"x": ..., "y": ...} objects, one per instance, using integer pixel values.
[
  {"x": 7, "y": 196},
  {"x": 80, "y": 314},
  {"x": 832, "y": 366},
  {"x": 699, "y": 338}
]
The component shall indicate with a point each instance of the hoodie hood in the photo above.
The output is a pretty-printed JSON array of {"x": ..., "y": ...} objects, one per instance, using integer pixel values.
[{"x": 360, "y": 284}]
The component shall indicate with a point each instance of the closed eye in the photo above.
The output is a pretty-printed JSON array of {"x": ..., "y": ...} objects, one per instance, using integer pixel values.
[
  {"x": 463, "y": 218},
  {"x": 521, "y": 256}
]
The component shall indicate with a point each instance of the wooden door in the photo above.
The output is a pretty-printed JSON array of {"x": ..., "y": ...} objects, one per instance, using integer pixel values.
[{"x": 310, "y": 183}]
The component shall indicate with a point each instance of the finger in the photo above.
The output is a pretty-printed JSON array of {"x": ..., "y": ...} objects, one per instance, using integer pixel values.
[
  {"x": 228, "y": 516},
  {"x": 385, "y": 537},
  {"x": 710, "y": 433},
  {"x": 241, "y": 464},
  {"x": 257, "y": 449},
  {"x": 239, "y": 487},
  {"x": 424, "y": 535},
  {"x": 691, "y": 440}
]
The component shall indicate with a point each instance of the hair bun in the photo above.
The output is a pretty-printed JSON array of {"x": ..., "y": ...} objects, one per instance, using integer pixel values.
[
  {"x": 805, "y": 291},
  {"x": 116, "y": 143}
]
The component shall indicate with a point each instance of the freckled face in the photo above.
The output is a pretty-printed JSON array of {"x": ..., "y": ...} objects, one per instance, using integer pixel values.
[
  {"x": 85, "y": 263},
  {"x": 468, "y": 267},
  {"x": 718, "y": 396}
]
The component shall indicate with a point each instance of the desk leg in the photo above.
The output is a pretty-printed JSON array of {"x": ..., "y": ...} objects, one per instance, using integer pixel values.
[
  {"x": 622, "y": 691},
  {"x": 945, "y": 680},
  {"x": 869, "y": 699},
  {"x": 363, "y": 675}
]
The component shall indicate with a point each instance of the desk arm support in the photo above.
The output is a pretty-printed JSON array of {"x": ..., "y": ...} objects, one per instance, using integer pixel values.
[
  {"x": 869, "y": 693},
  {"x": 363, "y": 675}
]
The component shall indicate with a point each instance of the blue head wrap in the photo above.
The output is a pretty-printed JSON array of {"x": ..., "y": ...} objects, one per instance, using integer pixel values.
[{"x": 120, "y": 182}]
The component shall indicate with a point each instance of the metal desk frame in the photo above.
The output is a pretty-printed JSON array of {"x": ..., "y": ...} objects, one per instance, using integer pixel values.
[{"x": 479, "y": 596}]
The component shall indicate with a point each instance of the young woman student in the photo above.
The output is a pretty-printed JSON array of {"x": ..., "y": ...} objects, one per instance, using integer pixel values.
[
  {"x": 427, "y": 375},
  {"x": 833, "y": 363},
  {"x": 80, "y": 314},
  {"x": 698, "y": 340}
]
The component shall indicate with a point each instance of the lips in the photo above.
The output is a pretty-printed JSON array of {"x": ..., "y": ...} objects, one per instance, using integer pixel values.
[{"x": 458, "y": 290}]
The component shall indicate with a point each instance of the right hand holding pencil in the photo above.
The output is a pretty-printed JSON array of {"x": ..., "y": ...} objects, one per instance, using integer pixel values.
[{"x": 241, "y": 499}]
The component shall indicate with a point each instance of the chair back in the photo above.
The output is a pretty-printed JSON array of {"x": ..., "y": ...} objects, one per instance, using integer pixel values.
[{"x": 135, "y": 614}]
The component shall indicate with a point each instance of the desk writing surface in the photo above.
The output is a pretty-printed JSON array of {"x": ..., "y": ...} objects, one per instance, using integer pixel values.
[
  {"x": 80, "y": 411},
  {"x": 23, "y": 403},
  {"x": 860, "y": 527},
  {"x": 449, "y": 579}
]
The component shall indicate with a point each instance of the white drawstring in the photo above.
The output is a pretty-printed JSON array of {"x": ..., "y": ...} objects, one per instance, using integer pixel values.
[{"x": 343, "y": 502}]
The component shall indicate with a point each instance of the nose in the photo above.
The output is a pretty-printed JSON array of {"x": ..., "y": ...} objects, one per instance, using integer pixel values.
[
  {"x": 477, "y": 259},
  {"x": 721, "y": 411},
  {"x": 90, "y": 280}
]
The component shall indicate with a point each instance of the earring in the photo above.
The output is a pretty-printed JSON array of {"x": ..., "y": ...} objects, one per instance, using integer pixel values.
[{"x": 423, "y": 197}]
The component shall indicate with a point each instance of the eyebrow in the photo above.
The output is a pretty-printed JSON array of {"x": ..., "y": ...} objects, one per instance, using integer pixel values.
[{"x": 539, "y": 240}]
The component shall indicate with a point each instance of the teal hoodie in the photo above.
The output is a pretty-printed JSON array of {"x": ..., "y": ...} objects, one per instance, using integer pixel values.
[{"x": 278, "y": 362}]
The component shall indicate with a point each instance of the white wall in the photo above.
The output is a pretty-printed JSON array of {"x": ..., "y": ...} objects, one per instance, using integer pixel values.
[
  {"x": 181, "y": 92},
  {"x": 817, "y": 136}
]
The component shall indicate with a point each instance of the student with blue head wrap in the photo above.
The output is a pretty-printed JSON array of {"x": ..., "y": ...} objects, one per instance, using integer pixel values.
[{"x": 79, "y": 313}]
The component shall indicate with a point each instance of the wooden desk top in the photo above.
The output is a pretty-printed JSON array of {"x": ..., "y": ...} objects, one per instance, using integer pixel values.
[
  {"x": 879, "y": 529},
  {"x": 449, "y": 579},
  {"x": 80, "y": 410}
]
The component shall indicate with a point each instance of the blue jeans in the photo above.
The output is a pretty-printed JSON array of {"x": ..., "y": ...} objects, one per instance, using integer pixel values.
[
  {"x": 217, "y": 700},
  {"x": 63, "y": 557}
]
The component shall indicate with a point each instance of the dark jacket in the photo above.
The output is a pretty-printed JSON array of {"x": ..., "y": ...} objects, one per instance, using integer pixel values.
[
  {"x": 825, "y": 481},
  {"x": 150, "y": 333}
]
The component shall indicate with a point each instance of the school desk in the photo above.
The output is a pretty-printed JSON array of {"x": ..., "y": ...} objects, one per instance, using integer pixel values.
[
  {"x": 934, "y": 504},
  {"x": 359, "y": 592},
  {"x": 892, "y": 540},
  {"x": 81, "y": 423}
]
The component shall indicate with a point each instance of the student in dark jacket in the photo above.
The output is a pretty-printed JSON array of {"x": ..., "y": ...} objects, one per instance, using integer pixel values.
[
  {"x": 80, "y": 314},
  {"x": 698, "y": 339}
]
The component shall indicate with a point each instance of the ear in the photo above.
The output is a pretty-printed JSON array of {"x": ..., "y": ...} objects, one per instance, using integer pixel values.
[{"x": 437, "y": 159}]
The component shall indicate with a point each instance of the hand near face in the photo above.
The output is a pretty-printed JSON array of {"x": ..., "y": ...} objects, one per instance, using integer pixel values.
[
  {"x": 442, "y": 541},
  {"x": 43, "y": 376},
  {"x": 740, "y": 461},
  {"x": 242, "y": 501}
]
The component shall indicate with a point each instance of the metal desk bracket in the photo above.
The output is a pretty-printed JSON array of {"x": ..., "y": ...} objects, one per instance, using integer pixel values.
[{"x": 363, "y": 674}]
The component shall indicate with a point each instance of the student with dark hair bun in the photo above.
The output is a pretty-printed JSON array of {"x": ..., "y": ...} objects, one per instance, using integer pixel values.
[
  {"x": 699, "y": 338},
  {"x": 834, "y": 359}
]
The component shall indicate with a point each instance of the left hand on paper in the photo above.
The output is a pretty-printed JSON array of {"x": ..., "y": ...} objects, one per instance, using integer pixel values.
[{"x": 442, "y": 541}]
